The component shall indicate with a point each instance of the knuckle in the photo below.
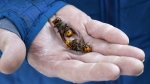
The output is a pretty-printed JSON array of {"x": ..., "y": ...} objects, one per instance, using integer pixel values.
[
  {"x": 7, "y": 67},
  {"x": 4, "y": 70}
]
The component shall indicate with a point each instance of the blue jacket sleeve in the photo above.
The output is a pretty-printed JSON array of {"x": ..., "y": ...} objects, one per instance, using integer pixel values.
[{"x": 29, "y": 16}]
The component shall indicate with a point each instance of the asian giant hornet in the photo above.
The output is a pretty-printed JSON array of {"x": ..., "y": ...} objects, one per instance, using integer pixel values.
[
  {"x": 78, "y": 45},
  {"x": 62, "y": 28},
  {"x": 65, "y": 31}
]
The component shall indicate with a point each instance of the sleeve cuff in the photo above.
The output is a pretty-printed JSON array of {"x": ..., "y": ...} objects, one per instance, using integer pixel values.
[{"x": 42, "y": 20}]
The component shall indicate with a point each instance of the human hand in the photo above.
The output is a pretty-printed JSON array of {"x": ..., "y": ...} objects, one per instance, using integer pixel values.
[
  {"x": 110, "y": 56},
  {"x": 14, "y": 52}
]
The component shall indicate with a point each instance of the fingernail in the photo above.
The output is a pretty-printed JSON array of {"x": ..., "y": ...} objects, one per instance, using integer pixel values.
[
  {"x": 140, "y": 73},
  {"x": 143, "y": 60}
]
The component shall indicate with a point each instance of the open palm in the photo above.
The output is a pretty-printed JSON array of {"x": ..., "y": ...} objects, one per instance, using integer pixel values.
[{"x": 110, "y": 56}]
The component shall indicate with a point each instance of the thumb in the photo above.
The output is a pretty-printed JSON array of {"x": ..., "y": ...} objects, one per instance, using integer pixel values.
[{"x": 13, "y": 52}]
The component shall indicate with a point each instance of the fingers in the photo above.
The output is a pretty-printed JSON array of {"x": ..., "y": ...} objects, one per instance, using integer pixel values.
[
  {"x": 78, "y": 72},
  {"x": 78, "y": 20},
  {"x": 105, "y": 31},
  {"x": 13, "y": 52},
  {"x": 127, "y": 65},
  {"x": 106, "y": 48},
  {"x": 73, "y": 70},
  {"x": 119, "y": 50}
]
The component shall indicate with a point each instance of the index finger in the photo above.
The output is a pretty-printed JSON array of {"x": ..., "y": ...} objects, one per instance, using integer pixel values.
[{"x": 105, "y": 31}]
